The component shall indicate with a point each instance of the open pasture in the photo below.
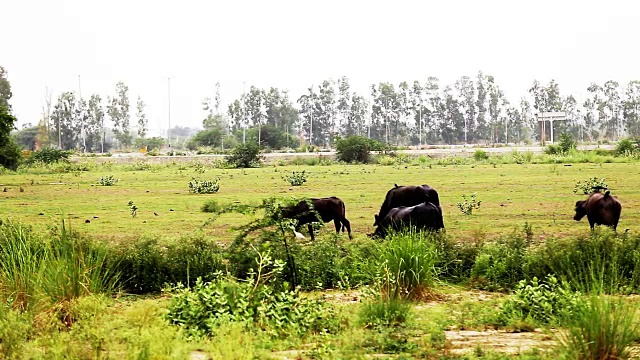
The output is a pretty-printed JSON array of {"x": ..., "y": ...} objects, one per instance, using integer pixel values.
[{"x": 510, "y": 194}]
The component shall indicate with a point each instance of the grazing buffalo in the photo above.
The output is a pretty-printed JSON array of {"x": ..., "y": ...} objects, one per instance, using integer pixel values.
[
  {"x": 423, "y": 216},
  {"x": 331, "y": 208},
  {"x": 406, "y": 196},
  {"x": 600, "y": 209}
]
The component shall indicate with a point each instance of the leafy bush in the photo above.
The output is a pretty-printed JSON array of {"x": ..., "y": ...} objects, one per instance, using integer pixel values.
[
  {"x": 279, "y": 313},
  {"x": 553, "y": 149},
  {"x": 499, "y": 265},
  {"x": 480, "y": 155},
  {"x": 204, "y": 186},
  {"x": 50, "y": 155},
  {"x": 356, "y": 149},
  {"x": 384, "y": 312},
  {"x": 468, "y": 205},
  {"x": 211, "y": 206},
  {"x": 296, "y": 178},
  {"x": 149, "y": 264},
  {"x": 566, "y": 143},
  {"x": 107, "y": 180},
  {"x": 587, "y": 186},
  {"x": 244, "y": 156},
  {"x": 545, "y": 302},
  {"x": 626, "y": 147}
]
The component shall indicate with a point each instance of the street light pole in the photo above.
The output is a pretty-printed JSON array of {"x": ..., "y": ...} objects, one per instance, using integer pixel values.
[
  {"x": 169, "y": 110},
  {"x": 82, "y": 130}
]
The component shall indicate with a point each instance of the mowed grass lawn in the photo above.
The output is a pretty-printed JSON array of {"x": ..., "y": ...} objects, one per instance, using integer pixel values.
[{"x": 511, "y": 195}]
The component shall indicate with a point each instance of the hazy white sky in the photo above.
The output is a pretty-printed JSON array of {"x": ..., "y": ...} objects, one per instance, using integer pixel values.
[{"x": 294, "y": 44}]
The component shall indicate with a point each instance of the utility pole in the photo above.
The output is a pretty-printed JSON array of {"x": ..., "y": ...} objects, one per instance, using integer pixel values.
[
  {"x": 169, "y": 110},
  {"x": 369, "y": 108},
  {"x": 82, "y": 129},
  {"x": 311, "y": 122},
  {"x": 244, "y": 119}
]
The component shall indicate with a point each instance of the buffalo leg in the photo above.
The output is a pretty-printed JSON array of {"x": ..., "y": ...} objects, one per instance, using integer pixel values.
[
  {"x": 338, "y": 225},
  {"x": 347, "y": 224},
  {"x": 310, "y": 227}
]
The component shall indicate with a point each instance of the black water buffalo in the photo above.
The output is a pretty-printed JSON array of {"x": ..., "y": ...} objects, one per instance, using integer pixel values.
[
  {"x": 600, "y": 209},
  {"x": 406, "y": 196},
  {"x": 423, "y": 216},
  {"x": 331, "y": 208}
]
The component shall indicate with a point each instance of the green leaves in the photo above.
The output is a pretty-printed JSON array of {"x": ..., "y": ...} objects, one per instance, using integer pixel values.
[{"x": 201, "y": 309}]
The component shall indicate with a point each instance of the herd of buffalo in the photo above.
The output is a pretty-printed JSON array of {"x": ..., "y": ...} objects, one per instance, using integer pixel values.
[{"x": 419, "y": 206}]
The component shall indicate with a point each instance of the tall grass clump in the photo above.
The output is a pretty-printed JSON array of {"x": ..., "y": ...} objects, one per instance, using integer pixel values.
[
  {"x": 21, "y": 257},
  {"x": 604, "y": 327},
  {"x": 35, "y": 269},
  {"x": 408, "y": 258}
]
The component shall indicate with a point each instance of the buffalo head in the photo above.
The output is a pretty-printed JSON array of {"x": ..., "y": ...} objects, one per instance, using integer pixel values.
[{"x": 581, "y": 211}]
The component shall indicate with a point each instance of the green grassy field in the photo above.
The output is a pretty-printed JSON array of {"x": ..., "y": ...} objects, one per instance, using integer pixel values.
[
  {"x": 127, "y": 326},
  {"x": 511, "y": 195}
]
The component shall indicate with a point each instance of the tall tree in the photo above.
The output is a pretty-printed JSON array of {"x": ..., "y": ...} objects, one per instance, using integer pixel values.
[
  {"x": 96, "y": 131},
  {"x": 64, "y": 120},
  {"x": 612, "y": 105},
  {"x": 450, "y": 128},
  {"x": 495, "y": 97},
  {"x": 118, "y": 111},
  {"x": 631, "y": 108},
  {"x": 143, "y": 122},
  {"x": 596, "y": 93},
  {"x": 327, "y": 112},
  {"x": 482, "y": 128},
  {"x": 5, "y": 89},
  {"x": 418, "y": 110},
  {"x": 9, "y": 151},
  {"x": 467, "y": 95},
  {"x": 435, "y": 109},
  {"x": 357, "y": 116},
  {"x": 307, "y": 122},
  {"x": 344, "y": 104}
]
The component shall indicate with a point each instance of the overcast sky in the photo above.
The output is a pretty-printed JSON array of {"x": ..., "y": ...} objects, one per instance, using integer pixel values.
[{"x": 294, "y": 44}]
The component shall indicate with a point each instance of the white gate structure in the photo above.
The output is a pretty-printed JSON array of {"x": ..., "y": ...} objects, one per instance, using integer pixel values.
[{"x": 549, "y": 116}]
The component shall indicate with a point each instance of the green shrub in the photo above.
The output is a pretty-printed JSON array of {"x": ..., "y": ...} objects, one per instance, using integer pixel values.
[
  {"x": 586, "y": 187},
  {"x": 15, "y": 329},
  {"x": 480, "y": 155},
  {"x": 50, "y": 155},
  {"x": 566, "y": 143},
  {"x": 296, "y": 178},
  {"x": 149, "y": 265},
  {"x": 204, "y": 308},
  {"x": 553, "y": 149},
  {"x": 601, "y": 257},
  {"x": 499, "y": 265},
  {"x": 626, "y": 147},
  {"x": 384, "y": 312},
  {"x": 357, "y": 149},
  {"x": 204, "y": 186},
  {"x": 468, "y": 205},
  {"x": 107, "y": 180},
  {"x": 244, "y": 156},
  {"x": 211, "y": 206},
  {"x": 545, "y": 302}
]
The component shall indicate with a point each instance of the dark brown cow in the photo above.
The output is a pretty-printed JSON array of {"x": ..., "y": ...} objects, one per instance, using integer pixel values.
[
  {"x": 331, "y": 208},
  {"x": 425, "y": 216},
  {"x": 600, "y": 209},
  {"x": 406, "y": 196}
]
